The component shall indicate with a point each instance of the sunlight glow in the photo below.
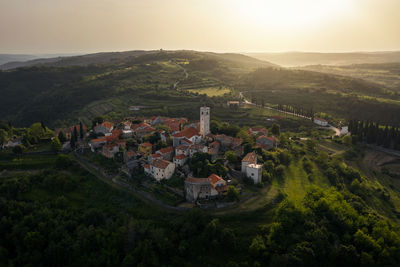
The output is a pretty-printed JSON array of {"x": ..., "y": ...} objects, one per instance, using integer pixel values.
[{"x": 290, "y": 14}]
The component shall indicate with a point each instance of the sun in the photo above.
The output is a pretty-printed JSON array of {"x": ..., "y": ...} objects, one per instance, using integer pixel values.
[{"x": 289, "y": 14}]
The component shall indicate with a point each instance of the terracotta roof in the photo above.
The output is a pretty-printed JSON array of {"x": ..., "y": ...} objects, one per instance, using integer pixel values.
[
  {"x": 116, "y": 132},
  {"x": 166, "y": 150},
  {"x": 146, "y": 166},
  {"x": 146, "y": 144},
  {"x": 237, "y": 141},
  {"x": 155, "y": 156},
  {"x": 250, "y": 157},
  {"x": 187, "y": 132},
  {"x": 183, "y": 147},
  {"x": 214, "y": 178},
  {"x": 180, "y": 156},
  {"x": 271, "y": 138},
  {"x": 98, "y": 140},
  {"x": 187, "y": 141},
  {"x": 139, "y": 125},
  {"x": 198, "y": 180},
  {"x": 160, "y": 163},
  {"x": 107, "y": 124},
  {"x": 215, "y": 144}
]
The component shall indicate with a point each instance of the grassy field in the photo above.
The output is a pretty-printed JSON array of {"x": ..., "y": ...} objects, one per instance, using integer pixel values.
[
  {"x": 15, "y": 162},
  {"x": 211, "y": 91},
  {"x": 295, "y": 182}
]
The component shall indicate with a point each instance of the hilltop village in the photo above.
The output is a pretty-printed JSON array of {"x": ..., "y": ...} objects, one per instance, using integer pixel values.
[{"x": 162, "y": 148}]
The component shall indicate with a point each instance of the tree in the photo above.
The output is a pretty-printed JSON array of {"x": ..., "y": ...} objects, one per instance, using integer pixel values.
[
  {"x": 347, "y": 140},
  {"x": 72, "y": 142},
  {"x": 56, "y": 144},
  {"x": 81, "y": 130},
  {"x": 275, "y": 129},
  {"x": 3, "y": 137},
  {"x": 233, "y": 193},
  {"x": 61, "y": 137},
  {"x": 247, "y": 138},
  {"x": 75, "y": 134},
  {"x": 19, "y": 149},
  {"x": 231, "y": 157}
]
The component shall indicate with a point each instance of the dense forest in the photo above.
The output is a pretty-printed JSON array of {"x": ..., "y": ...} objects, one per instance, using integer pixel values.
[
  {"x": 374, "y": 133},
  {"x": 61, "y": 215}
]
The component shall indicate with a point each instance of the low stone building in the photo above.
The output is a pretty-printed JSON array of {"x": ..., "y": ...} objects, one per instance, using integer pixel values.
[
  {"x": 250, "y": 167},
  {"x": 180, "y": 160},
  {"x": 167, "y": 152},
  {"x": 320, "y": 121},
  {"x": 103, "y": 128},
  {"x": 267, "y": 142},
  {"x": 204, "y": 188},
  {"x": 160, "y": 169}
]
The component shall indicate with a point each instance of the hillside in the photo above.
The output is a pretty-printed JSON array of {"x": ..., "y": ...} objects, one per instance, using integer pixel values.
[
  {"x": 339, "y": 96},
  {"x": 82, "y": 89},
  {"x": 294, "y": 59},
  {"x": 386, "y": 74},
  {"x": 110, "y": 58},
  {"x": 322, "y": 203}
]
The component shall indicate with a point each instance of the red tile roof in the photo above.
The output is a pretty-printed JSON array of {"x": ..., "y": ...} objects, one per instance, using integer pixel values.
[
  {"x": 146, "y": 144},
  {"x": 271, "y": 138},
  {"x": 187, "y": 132},
  {"x": 182, "y": 147},
  {"x": 166, "y": 150},
  {"x": 146, "y": 166},
  {"x": 160, "y": 163},
  {"x": 250, "y": 157},
  {"x": 180, "y": 156},
  {"x": 187, "y": 141},
  {"x": 215, "y": 144},
  {"x": 98, "y": 140},
  {"x": 214, "y": 179},
  {"x": 107, "y": 124},
  {"x": 198, "y": 180},
  {"x": 155, "y": 156},
  {"x": 116, "y": 132}
]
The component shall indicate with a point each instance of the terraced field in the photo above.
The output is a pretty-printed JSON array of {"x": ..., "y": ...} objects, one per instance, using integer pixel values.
[{"x": 211, "y": 91}]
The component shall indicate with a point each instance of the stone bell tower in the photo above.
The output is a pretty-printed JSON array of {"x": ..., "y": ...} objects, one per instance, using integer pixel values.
[{"x": 204, "y": 121}]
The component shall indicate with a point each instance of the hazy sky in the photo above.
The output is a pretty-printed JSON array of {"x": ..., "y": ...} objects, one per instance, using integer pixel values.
[{"x": 65, "y": 26}]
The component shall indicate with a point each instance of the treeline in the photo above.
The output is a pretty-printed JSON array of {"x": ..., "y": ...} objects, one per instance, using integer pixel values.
[
  {"x": 375, "y": 133},
  {"x": 299, "y": 111}
]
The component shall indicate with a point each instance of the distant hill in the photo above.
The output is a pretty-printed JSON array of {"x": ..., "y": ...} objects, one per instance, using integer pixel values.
[
  {"x": 118, "y": 57},
  {"x": 17, "y": 60},
  {"x": 294, "y": 59},
  {"x": 60, "y": 90},
  {"x": 80, "y": 60},
  {"x": 53, "y": 90},
  {"x": 386, "y": 74},
  {"x": 5, "y": 58}
]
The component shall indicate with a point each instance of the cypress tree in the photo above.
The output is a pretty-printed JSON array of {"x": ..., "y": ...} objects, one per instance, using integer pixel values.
[
  {"x": 81, "y": 130},
  {"x": 75, "y": 134}
]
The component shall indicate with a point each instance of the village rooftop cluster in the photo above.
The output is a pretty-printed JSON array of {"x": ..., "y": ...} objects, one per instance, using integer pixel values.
[{"x": 178, "y": 140}]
